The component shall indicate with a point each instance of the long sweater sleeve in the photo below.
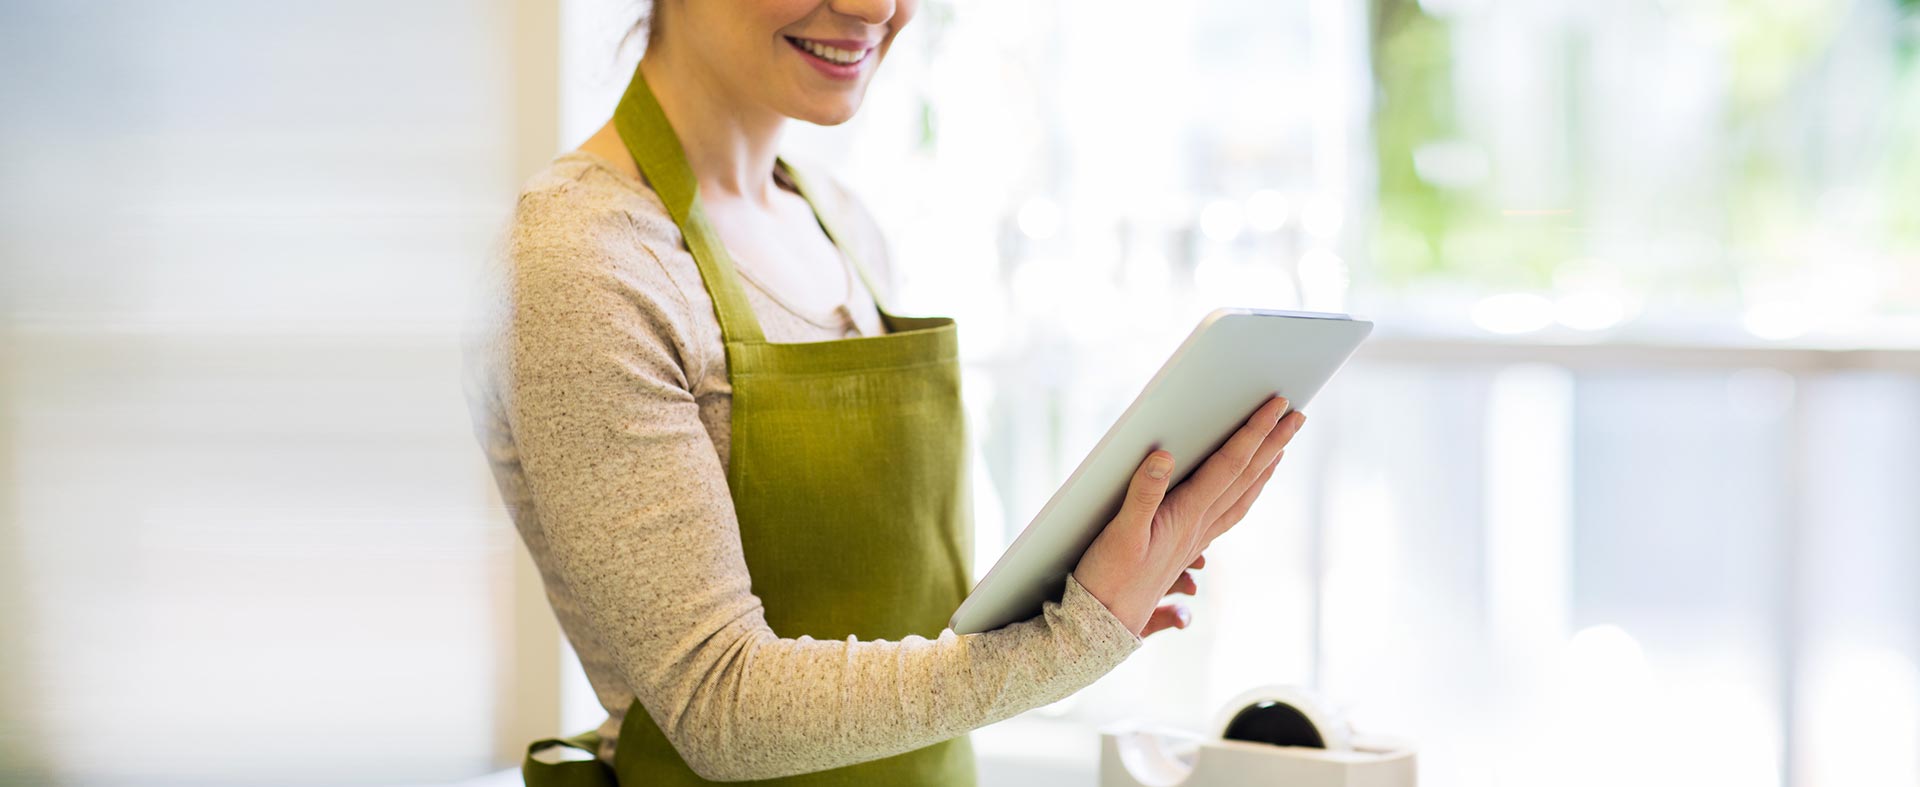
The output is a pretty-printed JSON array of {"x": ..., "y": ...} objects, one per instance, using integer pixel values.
[{"x": 623, "y": 499}]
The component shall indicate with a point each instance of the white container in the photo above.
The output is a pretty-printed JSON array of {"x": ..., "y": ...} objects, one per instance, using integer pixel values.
[{"x": 1157, "y": 757}]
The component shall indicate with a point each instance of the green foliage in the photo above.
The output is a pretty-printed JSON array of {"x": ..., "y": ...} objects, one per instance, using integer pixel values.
[
  {"x": 1412, "y": 68},
  {"x": 1771, "y": 161}
]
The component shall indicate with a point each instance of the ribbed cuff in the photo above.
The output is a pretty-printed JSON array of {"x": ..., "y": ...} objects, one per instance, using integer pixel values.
[{"x": 1104, "y": 633}]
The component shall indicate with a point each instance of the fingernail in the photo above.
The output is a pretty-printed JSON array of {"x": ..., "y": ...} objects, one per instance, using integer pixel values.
[
  {"x": 1159, "y": 466},
  {"x": 1184, "y": 614}
]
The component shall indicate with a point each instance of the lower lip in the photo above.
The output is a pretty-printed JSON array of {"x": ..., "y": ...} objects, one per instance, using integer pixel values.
[{"x": 829, "y": 68}]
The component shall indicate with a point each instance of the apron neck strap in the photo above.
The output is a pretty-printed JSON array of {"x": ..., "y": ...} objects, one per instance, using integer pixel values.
[{"x": 657, "y": 152}]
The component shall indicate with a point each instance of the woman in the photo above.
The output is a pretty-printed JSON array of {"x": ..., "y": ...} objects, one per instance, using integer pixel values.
[{"x": 742, "y": 477}]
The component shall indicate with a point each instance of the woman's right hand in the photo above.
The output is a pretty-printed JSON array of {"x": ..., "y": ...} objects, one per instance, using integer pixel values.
[{"x": 1143, "y": 554}]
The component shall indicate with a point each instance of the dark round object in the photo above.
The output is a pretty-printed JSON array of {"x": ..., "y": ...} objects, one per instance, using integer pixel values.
[{"x": 1274, "y": 722}]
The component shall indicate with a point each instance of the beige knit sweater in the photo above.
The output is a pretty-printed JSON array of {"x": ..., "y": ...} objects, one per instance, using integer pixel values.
[{"x": 600, "y": 396}]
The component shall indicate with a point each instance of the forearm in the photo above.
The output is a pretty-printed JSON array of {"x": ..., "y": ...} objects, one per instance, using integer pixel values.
[{"x": 772, "y": 707}]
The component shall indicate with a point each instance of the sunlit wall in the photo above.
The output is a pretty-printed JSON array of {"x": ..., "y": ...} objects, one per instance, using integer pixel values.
[{"x": 245, "y": 536}]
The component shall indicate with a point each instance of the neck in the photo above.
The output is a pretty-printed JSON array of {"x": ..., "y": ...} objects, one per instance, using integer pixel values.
[{"x": 730, "y": 144}]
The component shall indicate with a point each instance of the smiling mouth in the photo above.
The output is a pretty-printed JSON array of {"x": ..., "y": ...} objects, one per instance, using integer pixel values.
[{"x": 833, "y": 55}]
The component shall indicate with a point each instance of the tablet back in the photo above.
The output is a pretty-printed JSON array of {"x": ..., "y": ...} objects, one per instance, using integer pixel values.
[{"x": 1231, "y": 363}]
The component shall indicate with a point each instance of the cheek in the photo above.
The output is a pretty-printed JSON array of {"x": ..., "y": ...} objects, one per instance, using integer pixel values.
[
  {"x": 769, "y": 20},
  {"x": 766, "y": 18},
  {"x": 903, "y": 11},
  {"x": 751, "y": 29}
]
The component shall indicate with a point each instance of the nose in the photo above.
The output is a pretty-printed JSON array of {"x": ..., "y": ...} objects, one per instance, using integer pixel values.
[{"x": 873, "y": 12}]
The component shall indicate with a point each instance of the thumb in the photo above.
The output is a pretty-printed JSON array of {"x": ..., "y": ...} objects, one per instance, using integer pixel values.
[{"x": 1148, "y": 487}]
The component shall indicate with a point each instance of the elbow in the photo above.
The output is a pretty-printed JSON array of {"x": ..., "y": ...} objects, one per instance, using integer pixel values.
[
  {"x": 736, "y": 725},
  {"x": 714, "y": 766},
  {"x": 716, "y": 756},
  {"x": 726, "y": 764}
]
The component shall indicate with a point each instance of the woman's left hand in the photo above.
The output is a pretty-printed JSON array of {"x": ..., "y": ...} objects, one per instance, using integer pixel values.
[{"x": 1175, "y": 615}]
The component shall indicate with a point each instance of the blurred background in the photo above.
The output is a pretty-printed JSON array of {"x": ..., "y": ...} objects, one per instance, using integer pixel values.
[{"x": 1624, "y": 490}]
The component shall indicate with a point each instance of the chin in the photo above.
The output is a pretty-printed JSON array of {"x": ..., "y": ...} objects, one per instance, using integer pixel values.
[{"x": 827, "y": 113}]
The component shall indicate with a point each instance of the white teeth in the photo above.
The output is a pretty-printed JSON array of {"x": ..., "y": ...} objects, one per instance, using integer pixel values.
[{"x": 824, "y": 52}]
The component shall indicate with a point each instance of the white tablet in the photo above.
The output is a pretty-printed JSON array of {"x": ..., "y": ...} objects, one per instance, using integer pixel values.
[{"x": 1234, "y": 360}]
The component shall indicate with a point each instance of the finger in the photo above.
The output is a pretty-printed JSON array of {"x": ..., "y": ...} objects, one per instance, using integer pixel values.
[
  {"x": 1148, "y": 488},
  {"x": 1240, "y": 507},
  {"x": 1198, "y": 563},
  {"x": 1275, "y": 443},
  {"x": 1213, "y": 477},
  {"x": 1167, "y": 616},
  {"x": 1183, "y": 585}
]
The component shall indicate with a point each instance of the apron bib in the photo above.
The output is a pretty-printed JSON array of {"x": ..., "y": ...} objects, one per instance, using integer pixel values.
[{"x": 848, "y": 474}]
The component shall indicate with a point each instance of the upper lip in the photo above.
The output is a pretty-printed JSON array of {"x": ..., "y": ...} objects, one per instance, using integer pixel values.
[{"x": 849, "y": 44}]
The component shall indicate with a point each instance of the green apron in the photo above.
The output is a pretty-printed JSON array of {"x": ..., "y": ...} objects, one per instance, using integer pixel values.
[{"x": 848, "y": 474}]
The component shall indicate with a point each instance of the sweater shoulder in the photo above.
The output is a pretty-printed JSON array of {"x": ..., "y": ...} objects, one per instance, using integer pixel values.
[
  {"x": 588, "y": 240},
  {"x": 579, "y": 204}
]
